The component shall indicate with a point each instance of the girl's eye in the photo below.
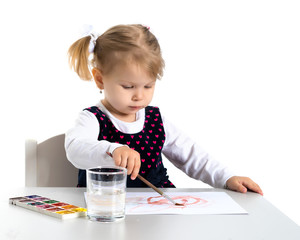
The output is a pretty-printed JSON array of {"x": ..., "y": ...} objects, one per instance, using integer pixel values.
[
  {"x": 127, "y": 87},
  {"x": 150, "y": 86}
]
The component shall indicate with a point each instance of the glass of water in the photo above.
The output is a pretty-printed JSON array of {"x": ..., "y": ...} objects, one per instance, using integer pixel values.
[{"x": 106, "y": 190}]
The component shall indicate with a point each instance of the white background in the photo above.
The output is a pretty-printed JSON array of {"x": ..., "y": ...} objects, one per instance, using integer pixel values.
[{"x": 231, "y": 81}]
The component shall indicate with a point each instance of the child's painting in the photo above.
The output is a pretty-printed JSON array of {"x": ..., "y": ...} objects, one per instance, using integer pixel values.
[{"x": 193, "y": 203}]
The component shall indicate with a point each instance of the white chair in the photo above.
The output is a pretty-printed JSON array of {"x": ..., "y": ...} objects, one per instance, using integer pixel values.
[{"x": 46, "y": 164}]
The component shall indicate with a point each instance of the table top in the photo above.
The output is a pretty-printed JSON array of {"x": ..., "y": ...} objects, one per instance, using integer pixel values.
[{"x": 264, "y": 221}]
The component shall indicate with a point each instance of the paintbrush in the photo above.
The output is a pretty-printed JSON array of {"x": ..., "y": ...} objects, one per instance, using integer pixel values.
[{"x": 149, "y": 184}]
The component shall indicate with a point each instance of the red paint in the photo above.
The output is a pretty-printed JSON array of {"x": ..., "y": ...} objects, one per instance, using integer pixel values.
[
  {"x": 159, "y": 203},
  {"x": 186, "y": 200}
]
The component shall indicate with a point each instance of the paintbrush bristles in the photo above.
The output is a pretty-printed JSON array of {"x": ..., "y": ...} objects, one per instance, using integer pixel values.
[{"x": 179, "y": 204}]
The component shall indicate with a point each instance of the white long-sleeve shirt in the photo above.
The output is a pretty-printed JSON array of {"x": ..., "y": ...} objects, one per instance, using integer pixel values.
[{"x": 84, "y": 150}]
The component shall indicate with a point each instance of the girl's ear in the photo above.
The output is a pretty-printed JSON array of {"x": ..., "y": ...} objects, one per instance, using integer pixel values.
[{"x": 98, "y": 78}]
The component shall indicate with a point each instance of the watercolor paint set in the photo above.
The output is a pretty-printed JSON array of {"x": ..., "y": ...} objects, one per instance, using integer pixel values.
[{"x": 49, "y": 206}]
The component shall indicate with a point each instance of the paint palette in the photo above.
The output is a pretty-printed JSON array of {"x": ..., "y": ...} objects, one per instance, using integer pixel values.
[{"x": 49, "y": 206}]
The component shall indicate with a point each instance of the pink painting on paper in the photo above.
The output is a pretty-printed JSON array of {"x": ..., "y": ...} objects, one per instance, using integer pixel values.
[{"x": 193, "y": 203}]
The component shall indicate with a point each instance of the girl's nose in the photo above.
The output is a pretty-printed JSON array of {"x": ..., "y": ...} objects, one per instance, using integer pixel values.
[{"x": 138, "y": 95}]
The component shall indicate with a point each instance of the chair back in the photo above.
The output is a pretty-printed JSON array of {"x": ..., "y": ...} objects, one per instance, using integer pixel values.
[{"x": 46, "y": 164}]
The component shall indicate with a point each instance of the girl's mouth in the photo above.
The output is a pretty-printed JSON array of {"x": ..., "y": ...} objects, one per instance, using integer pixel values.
[{"x": 135, "y": 107}]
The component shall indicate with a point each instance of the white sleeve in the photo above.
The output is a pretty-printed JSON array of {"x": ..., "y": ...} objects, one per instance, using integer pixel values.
[
  {"x": 83, "y": 148},
  {"x": 188, "y": 156}
]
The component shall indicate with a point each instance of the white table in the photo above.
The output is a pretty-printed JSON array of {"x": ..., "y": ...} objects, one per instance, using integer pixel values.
[{"x": 264, "y": 221}]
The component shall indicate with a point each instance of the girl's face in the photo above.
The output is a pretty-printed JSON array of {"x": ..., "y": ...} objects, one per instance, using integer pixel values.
[{"x": 127, "y": 88}]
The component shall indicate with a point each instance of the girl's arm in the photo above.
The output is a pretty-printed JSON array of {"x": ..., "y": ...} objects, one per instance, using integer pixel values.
[
  {"x": 82, "y": 146},
  {"x": 188, "y": 156}
]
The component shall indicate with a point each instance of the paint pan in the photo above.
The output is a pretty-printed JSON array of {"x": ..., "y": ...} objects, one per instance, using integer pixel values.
[{"x": 49, "y": 206}]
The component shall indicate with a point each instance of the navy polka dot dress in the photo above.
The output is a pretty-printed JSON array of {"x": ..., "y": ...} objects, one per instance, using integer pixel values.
[{"x": 148, "y": 142}]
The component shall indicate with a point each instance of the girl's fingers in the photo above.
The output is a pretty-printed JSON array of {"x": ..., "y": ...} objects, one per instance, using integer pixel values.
[
  {"x": 253, "y": 187},
  {"x": 127, "y": 158},
  {"x": 238, "y": 187},
  {"x": 133, "y": 166},
  {"x": 136, "y": 168},
  {"x": 130, "y": 166},
  {"x": 124, "y": 160},
  {"x": 120, "y": 158},
  {"x": 117, "y": 158},
  {"x": 241, "y": 184}
]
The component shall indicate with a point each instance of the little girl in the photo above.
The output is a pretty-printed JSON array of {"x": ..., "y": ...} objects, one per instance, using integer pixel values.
[{"x": 125, "y": 63}]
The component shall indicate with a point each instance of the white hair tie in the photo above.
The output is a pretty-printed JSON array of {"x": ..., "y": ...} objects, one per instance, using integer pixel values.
[
  {"x": 92, "y": 42},
  {"x": 88, "y": 30}
]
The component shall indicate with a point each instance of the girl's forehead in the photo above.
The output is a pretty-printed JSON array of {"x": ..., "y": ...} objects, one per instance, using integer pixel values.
[
  {"x": 131, "y": 72},
  {"x": 134, "y": 62}
]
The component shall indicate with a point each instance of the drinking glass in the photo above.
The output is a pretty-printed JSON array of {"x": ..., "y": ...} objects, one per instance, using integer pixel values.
[{"x": 106, "y": 190}]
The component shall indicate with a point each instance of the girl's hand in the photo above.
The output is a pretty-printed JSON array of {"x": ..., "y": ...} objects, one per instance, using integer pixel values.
[
  {"x": 127, "y": 158},
  {"x": 242, "y": 184}
]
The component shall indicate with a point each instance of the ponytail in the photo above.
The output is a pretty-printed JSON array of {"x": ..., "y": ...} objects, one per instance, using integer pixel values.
[
  {"x": 120, "y": 44},
  {"x": 78, "y": 55}
]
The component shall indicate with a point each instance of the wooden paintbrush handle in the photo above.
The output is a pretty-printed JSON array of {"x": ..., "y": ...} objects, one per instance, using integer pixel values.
[
  {"x": 144, "y": 180},
  {"x": 150, "y": 184}
]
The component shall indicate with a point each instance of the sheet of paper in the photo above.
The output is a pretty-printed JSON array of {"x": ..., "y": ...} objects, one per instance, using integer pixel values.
[{"x": 194, "y": 203}]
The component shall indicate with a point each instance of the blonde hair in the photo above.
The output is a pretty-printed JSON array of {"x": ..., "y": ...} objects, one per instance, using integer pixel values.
[{"x": 121, "y": 44}]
